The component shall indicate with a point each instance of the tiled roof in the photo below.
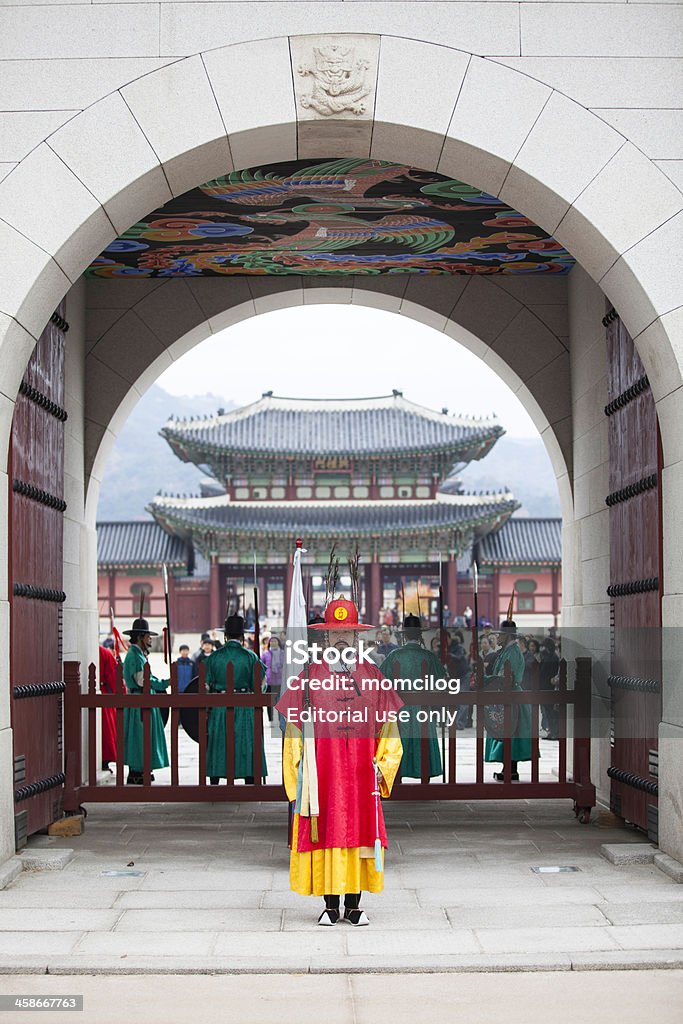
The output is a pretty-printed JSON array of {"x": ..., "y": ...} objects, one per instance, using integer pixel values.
[
  {"x": 292, "y": 426},
  {"x": 522, "y": 541},
  {"x": 326, "y": 518},
  {"x": 141, "y": 544}
]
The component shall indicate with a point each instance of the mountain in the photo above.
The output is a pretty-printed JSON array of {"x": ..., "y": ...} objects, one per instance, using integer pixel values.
[
  {"x": 523, "y": 465},
  {"x": 131, "y": 482},
  {"x": 129, "y": 485}
]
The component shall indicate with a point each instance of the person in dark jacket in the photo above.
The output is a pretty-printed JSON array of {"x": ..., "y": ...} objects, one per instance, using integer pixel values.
[
  {"x": 186, "y": 669},
  {"x": 549, "y": 668}
]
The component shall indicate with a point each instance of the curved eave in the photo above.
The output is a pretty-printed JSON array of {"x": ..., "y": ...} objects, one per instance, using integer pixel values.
[
  {"x": 169, "y": 517},
  {"x": 183, "y": 446},
  {"x": 511, "y": 563}
]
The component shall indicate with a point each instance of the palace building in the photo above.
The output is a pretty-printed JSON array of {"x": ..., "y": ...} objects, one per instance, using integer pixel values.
[{"x": 380, "y": 473}]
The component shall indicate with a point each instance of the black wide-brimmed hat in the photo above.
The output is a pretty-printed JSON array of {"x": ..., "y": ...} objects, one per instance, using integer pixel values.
[
  {"x": 234, "y": 624},
  {"x": 412, "y": 622},
  {"x": 508, "y": 627},
  {"x": 139, "y": 626}
]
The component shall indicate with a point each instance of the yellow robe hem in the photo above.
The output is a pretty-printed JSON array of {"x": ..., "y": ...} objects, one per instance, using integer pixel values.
[{"x": 336, "y": 871}]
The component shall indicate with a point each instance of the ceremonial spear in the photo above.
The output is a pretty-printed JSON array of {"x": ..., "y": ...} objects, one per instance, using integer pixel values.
[{"x": 168, "y": 643}]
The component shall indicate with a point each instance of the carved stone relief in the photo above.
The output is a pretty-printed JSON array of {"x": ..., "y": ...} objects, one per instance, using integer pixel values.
[{"x": 335, "y": 76}]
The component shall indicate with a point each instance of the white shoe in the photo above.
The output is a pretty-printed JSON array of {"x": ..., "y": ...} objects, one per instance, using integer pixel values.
[
  {"x": 328, "y": 918},
  {"x": 356, "y": 917}
]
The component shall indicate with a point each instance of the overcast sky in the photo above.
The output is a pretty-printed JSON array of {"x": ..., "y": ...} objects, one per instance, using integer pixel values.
[{"x": 335, "y": 351}]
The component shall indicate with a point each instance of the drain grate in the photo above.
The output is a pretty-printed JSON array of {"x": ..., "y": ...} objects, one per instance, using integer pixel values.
[{"x": 554, "y": 869}]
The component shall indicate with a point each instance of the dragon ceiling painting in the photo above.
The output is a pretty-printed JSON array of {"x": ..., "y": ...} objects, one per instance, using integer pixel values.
[{"x": 332, "y": 217}]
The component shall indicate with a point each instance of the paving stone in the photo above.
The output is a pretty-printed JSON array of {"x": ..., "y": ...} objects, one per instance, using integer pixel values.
[
  {"x": 133, "y": 944},
  {"x": 228, "y": 879},
  {"x": 671, "y": 867},
  {"x": 649, "y": 936},
  {"x": 557, "y": 915},
  {"x": 644, "y": 913},
  {"x": 19, "y": 944},
  {"x": 64, "y": 919},
  {"x": 628, "y": 853},
  {"x": 25, "y": 964},
  {"x": 373, "y": 942},
  {"x": 545, "y": 940},
  {"x": 192, "y": 899},
  {"x": 41, "y": 859},
  {"x": 465, "y": 896},
  {"x": 277, "y": 945},
  {"x": 27, "y": 899},
  {"x": 630, "y": 960},
  {"x": 204, "y": 920}
]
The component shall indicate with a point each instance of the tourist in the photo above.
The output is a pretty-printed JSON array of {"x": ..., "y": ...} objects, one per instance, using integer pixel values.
[
  {"x": 549, "y": 668},
  {"x": 186, "y": 668},
  {"x": 411, "y": 663},
  {"x": 467, "y": 615},
  {"x": 340, "y": 850},
  {"x": 205, "y": 651},
  {"x": 459, "y": 667},
  {"x": 200, "y": 649},
  {"x": 244, "y": 664},
  {"x": 531, "y": 659},
  {"x": 133, "y": 676},
  {"x": 274, "y": 659},
  {"x": 384, "y": 645}
]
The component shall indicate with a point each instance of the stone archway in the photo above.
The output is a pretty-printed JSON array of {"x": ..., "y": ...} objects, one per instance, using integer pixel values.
[{"x": 462, "y": 115}]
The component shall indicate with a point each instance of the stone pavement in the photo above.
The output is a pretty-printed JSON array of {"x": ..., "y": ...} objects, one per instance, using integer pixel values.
[
  {"x": 603, "y": 997},
  {"x": 203, "y": 888}
]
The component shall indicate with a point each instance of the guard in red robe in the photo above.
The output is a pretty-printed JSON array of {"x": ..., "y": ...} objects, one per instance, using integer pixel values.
[
  {"x": 108, "y": 685},
  {"x": 341, "y": 753}
]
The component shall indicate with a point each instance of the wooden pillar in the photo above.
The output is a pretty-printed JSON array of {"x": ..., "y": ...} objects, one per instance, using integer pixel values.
[
  {"x": 373, "y": 591},
  {"x": 289, "y": 576},
  {"x": 495, "y": 601},
  {"x": 215, "y": 616},
  {"x": 451, "y": 587},
  {"x": 112, "y": 593}
]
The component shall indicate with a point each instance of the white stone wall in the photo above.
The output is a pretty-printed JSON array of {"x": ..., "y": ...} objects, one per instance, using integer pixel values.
[
  {"x": 621, "y": 60},
  {"x": 585, "y": 571}
]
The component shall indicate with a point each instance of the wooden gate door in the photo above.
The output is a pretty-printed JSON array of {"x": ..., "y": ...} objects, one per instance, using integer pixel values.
[
  {"x": 36, "y": 507},
  {"x": 635, "y": 581}
]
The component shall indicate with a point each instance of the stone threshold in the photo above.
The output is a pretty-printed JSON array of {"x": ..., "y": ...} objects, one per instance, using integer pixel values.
[{"x": 631, "y": 960}]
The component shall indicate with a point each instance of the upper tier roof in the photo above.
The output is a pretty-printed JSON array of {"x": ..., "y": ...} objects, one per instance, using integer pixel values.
[
  {"x": 388, "y": 424},
  {"x": 144, "y": 544}
]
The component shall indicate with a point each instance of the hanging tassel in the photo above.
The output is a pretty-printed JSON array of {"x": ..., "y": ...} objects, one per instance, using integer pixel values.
[
  {"x": 314, "y": 830},
  {"x": 379, "y": 866}
]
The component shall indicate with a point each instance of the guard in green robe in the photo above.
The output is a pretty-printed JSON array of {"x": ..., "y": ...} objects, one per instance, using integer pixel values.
[
  {"x": 133, "y": 669},
  {"x": 521, "y": 740},
  {"x": 411, "y": 663},
  {"x": 244, "y": 664}
]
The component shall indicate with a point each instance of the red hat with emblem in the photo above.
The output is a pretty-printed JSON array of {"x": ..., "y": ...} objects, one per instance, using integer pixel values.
[{"x": 339, "y": 615}]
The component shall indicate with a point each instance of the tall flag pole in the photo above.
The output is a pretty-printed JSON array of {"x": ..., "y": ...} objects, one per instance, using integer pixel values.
[
  {"x": 475, "y": 616},
  {"x": 443, "y": 636},
  {"x": 307, "y": 801},
  {"x": 257, "y": 628}
]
